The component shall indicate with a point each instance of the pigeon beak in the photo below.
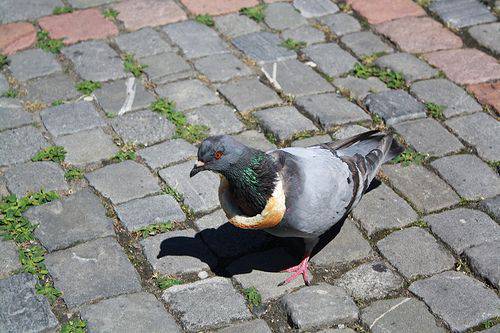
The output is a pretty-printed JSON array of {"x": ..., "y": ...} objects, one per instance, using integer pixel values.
[{"x": 198, "y": 166}]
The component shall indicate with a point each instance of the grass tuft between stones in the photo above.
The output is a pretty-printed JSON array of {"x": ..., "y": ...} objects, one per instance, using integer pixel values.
[
  {"x": 205, "y": 19},
  {"x": 435, "y": 110},
  {"x": 48, "y": 290},
  {"x": 74, "y": 326},
  {"x": 52, "y": 153},
  {"x": 165, "y": 282},
  {"x": 111, "y": 14},
  {"x": 73, "y": 173},
  {"x": 293, "y": 44},
  {"x": 62, "y": 10},
  {"x": 252, "y": 296},
  {"x": 57, "y": 102},
  {"x": 393, "y": 80},
  {"x": 255, "y": 13},
  {"x": 4, "y": 61},
  {"x": 47, "y": 44},
  {"x": 87, "y": 87},
  {"x": 184, "y": 130},
  {"x": 155, "y": 229},
  {"x": 133, "y": 66},
  {"x": 10, "y": 93},
  {"x": 127, "y": 152},
  {"x": 409, "y": 156}
]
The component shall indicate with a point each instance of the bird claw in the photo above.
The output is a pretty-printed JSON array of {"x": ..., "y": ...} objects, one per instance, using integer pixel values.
[{"x": 300, "y": 269}]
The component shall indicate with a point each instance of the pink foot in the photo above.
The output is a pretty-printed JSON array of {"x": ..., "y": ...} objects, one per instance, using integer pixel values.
[{"x": 300, "y": 269}]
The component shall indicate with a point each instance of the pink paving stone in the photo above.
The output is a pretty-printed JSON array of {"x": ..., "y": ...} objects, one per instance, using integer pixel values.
[
  {"x": 419, "y": 35},
  {"x": 77, "y": 26},
  {"x": 16, "y": 36},
  {"x": 487, "y": 93},
  {"x": 217, "y": 7},
  {"x": 378, "y": 11},
  {"x": 465, "y": 66},
  {"x": 137, "y": 14}
]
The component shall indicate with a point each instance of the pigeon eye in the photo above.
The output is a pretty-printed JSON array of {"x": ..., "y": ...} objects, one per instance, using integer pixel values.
[{"x": 218, "y": 154}]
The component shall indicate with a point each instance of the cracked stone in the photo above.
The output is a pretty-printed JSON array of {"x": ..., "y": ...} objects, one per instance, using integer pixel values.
[
  {"x": 32, "y": 177},
  {"x": 370, "y": 281},
  {"x": 92, "y": 270},
  {"x": 206, "y": 303},
  {"x": 140, "y": 213},
  {"x": 109, "y": 181},
  {"x": 63, "y": 223},
  {"x": 461, "y": 301},
  {"x": 463, "y": 228}
]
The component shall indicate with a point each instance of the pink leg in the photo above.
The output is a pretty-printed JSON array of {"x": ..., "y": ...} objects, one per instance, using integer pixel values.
[{"x": 300, "y": 269}]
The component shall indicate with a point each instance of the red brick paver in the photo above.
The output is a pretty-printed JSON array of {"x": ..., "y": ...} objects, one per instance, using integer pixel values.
[
  {"x": 487, "y": 93},
  {"x": 137, "y": 14},
  {"x": 217, "y": 7},
  {"x": 78, "y": 26},
  {"x": 16, "y": 36},
  {"x": 465, "y": 66},
  {"x": 378, "y": 11},
  {"x": 419, "y": 35}
]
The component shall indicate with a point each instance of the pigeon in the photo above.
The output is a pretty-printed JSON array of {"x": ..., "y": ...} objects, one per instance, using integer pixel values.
[{"x": 294, "y": 192}]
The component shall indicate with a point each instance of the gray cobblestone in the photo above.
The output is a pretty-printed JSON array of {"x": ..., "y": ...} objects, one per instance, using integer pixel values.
[
  {"x": 188, "y": 94},
  {"x": 142, "y": 43},
  {"x": 14, "y": 10},
  {"x": 281, "y": 16},
  {"x": 195, "y": 39},
  {"x": 481, "y": 131},
  {"x": 221, "y": 119},
  {"x": 33, "y": 63},
  {"x": 348, "y": 131},
  {"x": 459, "y": 300},
  {"x": 411, "y": 67},
  {"x": 330, "y": 110},
  {"x": 403, "y": 315},
  {"x": 485, "y": 261},
  {"x": 129, "y": 313},
  {"x": 256, "y": 94},
  {"x": 50, "y": 88},
  {"x": 89, "y": 3},
  {"x": 358, "y": 88},
  {"x": 315, "y": 8},
  {"x": 492, "y": 206},
  {"x": 71, "y": 118},
  {"x": 320, "y": 305},
  {"x": 87, "y": 147},
  {"x": 348, "y": 246},
  {"x": 78, "y": 218},
  {"x": 234, "y": 25},
  {"x": 423, "y": 188},
  {"x": 263, "y": 47},
  {"x": 12, "y": 114},
  {"x": 463, "y": 228},
  {"x": 143, "y": 127},
  {"x": 284, "y": 122},
  {"x": 139, "y": 213},
  {"x": 4, "y": 85},
  {"x": 395, "y": 106},
  {"x": 95, "y": 60},
  {"x": 92, "y": 270},
  {"x": 9, "y": 258},
  {"x": 469, "y": 176},
  {"x": 462, "y": 13},
  {"x": 488, "y": 35},
  {"x": 200, "y": 192},
  {"x": 330, "y": 58},
  {"x": 365, "y": 43},
  {"x": 409, "y": 251},
  {"x": 255, "y": 140},
  {"x": 252, "y": 326},
  {"x": 113, "y": 96},
  {"x": 22, "y": 309},
  {"x": 167, "y": 153},
  {"x": 211, "y": 302},
  {"x": 222, "y": 67},
  {"x": 314, "y": 140},
  {"x": 32, "y": 177},
  {"x": 177, "y": 252},
  {"x": 166, "y": 67},
  {"x": 429, "y": 137},
  {"x": 297, "y": 79},
  {"x": 382, "y": 209},
  {"x": 341, "y": 24},
  {"x": 370, "y": 281},
  {"x": 20, "y": 145},
  {"x": 110, "y": 181},
  {"x": 446, "y": 93},
  {"x": 304, "y": 33}
]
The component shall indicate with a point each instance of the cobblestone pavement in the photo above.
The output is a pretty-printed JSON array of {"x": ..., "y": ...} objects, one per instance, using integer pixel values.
[{"x": 103, "y": 104}]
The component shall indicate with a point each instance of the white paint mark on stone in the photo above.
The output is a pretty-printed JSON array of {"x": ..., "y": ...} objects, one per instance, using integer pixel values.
[
  {"x": 129, "y": 101},
  {"x": 74, "y": 256},
  {"x": 391, "y": 309},
  {"x": 272, "y": 78}
]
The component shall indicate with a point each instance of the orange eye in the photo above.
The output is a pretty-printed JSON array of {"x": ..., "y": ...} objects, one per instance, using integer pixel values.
[{"x": 218, "y": 154}]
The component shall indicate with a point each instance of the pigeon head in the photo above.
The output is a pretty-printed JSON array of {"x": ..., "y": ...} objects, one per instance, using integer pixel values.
[{"x": 219, "y": 154}]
